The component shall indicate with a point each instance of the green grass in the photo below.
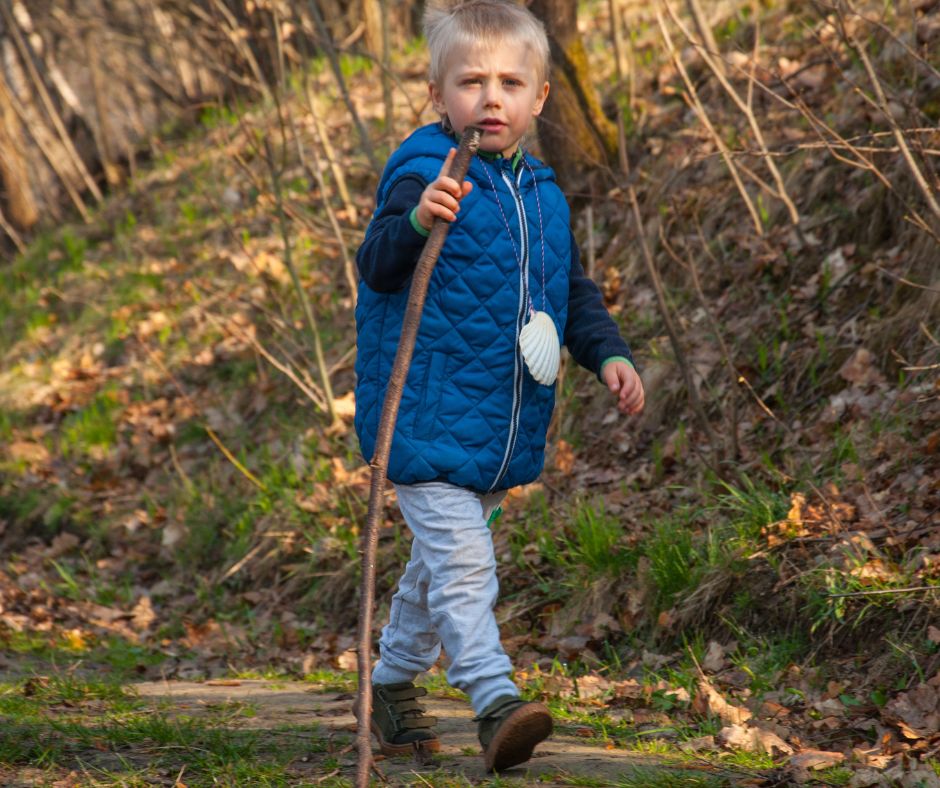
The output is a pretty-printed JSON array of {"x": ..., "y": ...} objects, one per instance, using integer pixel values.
[
  {"x": 593, "y": 545},
  {"x": 95, "y": 425},
  {"x": 42, "y": 651},
  {"x": 685, "y": 546},
  {"x": 62, "y": 722},
  {"x": 676, "y": 560}
]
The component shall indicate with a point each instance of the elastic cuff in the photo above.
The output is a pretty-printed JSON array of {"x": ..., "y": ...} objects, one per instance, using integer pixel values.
[
  {"x": 624, "y": 359},
  {"x": 413, "y": 217}
]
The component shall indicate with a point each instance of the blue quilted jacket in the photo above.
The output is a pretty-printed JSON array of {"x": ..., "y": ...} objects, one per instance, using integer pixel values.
[{"x": 471, "y": 414}]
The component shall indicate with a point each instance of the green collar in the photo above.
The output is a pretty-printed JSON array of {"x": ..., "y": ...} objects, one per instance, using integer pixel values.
[
  {"x": 514, "y": 162},
  {"x": 495, "y": 156}
]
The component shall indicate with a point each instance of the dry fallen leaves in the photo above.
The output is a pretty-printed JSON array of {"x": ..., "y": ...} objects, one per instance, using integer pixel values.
[
  {"x": 860, "y": 369},
  {"x": 753, "y": 739},
  {"x": 714, "y": 660},
  {"x": 709, "y": 702},
  {"x": 564, "y": 457},
  {"x": 917, "y": 712},
  {"x": 816, "y": 759}
]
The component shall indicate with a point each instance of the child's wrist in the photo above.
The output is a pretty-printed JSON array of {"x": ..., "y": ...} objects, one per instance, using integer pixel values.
[
  {"x": 612, "y": 359},
  {"x": 416, "y": 223}
]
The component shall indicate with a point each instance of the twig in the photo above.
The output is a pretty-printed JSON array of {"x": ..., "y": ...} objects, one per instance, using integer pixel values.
[
  {"x": 323, "y": 138},
  {"x": 233, "y": 459},
  {"x": 708, "y": 41},
  {"x": 317, "y": 175},
  {"x": 341, "y": 82},
  {"x": 232, "y": 32},
  {"x": 716, "y": 329},
  {"x": 695, "y": 103},
  {"x": 315, "y": 396},
  {"x": 174, "y": 458},
  {"x": 209, "y": 431},
  {"x": 835, "y": 139},
  {"x": 907, "y": 282},
  {"x": 747, "y": 110},
  {"x": 885, "y": 591},
  {"x": 694, "y": 399},
  {"x": 894, "y": 37},
  {"x": 14, "y": 236},
  {"x": 763, "y": 405},
  {"x": 591, "y": 252},
  {"x": 882, "y": 103},
  {"x": 298, "y": 286},
  {"x": 321, "y": 135},
  {"x": 931, "y": 337},
  {"x": 237, "y": 566},
  {"x": 386, "y": 78},
  {"x": 616, "y": 33},
  {"x": 23, "y": 48},
  {"x": 14, "y": 172},
  {"x": 103, "y": 137},
  {"x": 44, "y": 145}
]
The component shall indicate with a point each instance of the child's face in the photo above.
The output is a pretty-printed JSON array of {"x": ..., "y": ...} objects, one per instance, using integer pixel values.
[{"x": 495, "y": 87}]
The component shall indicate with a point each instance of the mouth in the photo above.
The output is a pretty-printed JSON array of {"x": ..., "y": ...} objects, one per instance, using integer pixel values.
[{"x": 491, "y": 125}]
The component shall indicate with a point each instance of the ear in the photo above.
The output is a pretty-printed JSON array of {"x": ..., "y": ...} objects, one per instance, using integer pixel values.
[
  {"x": 437, "y": 98},
  {"x": 540, "y": 100}
]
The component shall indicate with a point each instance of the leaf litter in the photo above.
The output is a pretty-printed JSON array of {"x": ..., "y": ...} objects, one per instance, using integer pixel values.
[{"x": 111, "y": 432}]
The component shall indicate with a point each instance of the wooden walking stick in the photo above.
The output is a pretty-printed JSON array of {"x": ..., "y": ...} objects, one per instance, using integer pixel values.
[{"x": 469, "y": 143}]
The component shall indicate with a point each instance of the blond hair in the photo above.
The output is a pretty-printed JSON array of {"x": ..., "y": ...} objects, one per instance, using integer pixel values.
[{"x": 448, "y": 26}]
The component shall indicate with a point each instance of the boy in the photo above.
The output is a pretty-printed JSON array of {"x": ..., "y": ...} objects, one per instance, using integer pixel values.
[{"x": 479, "y": 393}]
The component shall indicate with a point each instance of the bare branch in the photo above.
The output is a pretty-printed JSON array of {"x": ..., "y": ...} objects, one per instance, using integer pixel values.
[
  {"x": 745, "y": 107},
  {"x": 309, "y": 315},
  {"x": 882, "y": 103},
  {"x": 693, "y": 100}
]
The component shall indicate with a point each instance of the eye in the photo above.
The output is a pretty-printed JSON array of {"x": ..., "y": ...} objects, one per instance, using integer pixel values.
[
  {"x": 512, "y": 83},
  {"x": 470, "y": 81}
]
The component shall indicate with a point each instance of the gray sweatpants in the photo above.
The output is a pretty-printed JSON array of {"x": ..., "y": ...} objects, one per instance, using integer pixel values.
[{"x": 447, "y": 595}]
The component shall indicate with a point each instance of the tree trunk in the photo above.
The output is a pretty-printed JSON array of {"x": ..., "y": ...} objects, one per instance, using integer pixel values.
[
  {"x": 575, "y": 135},
  {"x": 371, "y": 15},
  {"x": 14, "y": 175}
]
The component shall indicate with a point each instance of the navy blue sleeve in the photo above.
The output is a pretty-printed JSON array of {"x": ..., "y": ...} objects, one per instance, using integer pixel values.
[
  {"x": 591, "y": 334},
  {"x": 392, "y": 246}
]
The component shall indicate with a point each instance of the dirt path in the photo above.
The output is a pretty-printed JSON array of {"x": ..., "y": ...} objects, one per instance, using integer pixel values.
[{"x": 565, "y": 759}]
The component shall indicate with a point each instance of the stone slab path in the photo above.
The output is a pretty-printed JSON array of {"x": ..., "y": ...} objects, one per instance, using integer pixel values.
[{"x": 564, "y": 759}]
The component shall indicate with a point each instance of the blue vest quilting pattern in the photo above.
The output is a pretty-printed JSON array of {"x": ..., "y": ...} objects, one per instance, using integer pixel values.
[{"x": 471, "y": 414}]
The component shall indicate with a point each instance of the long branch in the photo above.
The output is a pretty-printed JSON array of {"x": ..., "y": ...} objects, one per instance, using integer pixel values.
[{"x": 383, "y": 444}]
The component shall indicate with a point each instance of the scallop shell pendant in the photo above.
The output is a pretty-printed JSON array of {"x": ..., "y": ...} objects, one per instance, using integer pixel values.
[{"x": 540, "y": 348}]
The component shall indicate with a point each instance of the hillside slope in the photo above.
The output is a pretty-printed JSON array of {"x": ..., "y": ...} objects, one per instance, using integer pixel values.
[{"x": 174, "y": 494}]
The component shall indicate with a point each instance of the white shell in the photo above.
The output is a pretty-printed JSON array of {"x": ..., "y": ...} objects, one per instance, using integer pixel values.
[{"x": 541, "y": 350}]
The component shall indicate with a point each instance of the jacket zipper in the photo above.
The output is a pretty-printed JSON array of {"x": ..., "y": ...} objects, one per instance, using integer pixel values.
[{"x": 518, "y": 373}]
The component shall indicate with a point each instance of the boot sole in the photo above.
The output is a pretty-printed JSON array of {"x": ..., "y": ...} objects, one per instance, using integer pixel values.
[
  {"x": 408, "y": 748},
  {"x": 517, "y": 736}
]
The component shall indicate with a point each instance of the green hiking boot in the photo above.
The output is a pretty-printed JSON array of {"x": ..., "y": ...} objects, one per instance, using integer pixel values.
[
  {"x": 509, "y": 728},
  {"x": 399, "y": 723}
]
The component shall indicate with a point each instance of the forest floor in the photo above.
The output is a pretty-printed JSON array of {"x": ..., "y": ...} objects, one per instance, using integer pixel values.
[
  {"x": 76, "y": 730},
  {"x": 741, "y": 593}
]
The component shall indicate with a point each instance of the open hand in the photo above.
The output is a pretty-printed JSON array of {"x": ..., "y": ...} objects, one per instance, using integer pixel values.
[
  {"x": 625, "y": 384},
  {"x": 442, "y": 197}
]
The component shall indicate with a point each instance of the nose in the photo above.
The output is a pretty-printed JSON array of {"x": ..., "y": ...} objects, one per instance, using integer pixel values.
[{"x": 491, "y": 96}]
